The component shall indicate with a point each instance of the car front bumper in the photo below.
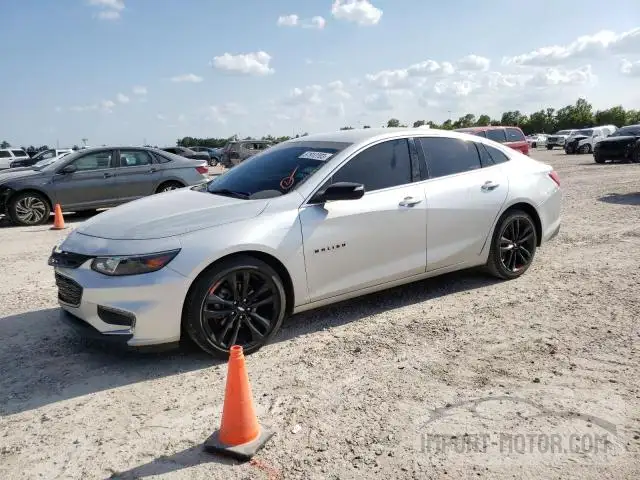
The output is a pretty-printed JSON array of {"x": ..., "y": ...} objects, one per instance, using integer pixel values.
[{"x": 136, "y": 310}]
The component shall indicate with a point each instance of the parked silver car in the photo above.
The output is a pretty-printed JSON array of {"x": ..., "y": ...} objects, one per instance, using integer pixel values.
[{"x": 94, "y": 178}]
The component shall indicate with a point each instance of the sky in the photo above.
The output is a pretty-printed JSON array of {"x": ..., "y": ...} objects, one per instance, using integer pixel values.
[{"x": 131, "y": 72}]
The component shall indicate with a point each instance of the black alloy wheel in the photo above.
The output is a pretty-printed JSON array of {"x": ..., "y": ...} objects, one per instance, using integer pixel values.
[
  {"x": 242, "y": 302},
  {"x": 586, "y": 148},
  {"x": 28, "y": 209},
  {"x": 513, "y": 246}
]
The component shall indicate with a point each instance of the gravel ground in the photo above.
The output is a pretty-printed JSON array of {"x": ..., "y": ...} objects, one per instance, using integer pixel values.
[{"x": 455, "y": 377}]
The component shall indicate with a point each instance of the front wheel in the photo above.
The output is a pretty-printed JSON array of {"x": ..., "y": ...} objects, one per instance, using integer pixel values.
[
  {"x": 168, "y": 186},
  {"x": 241, "y": 301},
  {"x": 635, "y": 156},
  {"x": 598, "y": 158},
  {"x": 586, "y": 148},
  {"x": 28, "y": 209},
  {"x": 549, "y": 147},
  {"x": 513, "y": 245}
]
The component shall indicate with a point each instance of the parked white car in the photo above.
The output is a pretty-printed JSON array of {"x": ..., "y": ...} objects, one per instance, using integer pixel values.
[
  {"x": 9, "y": 155},
  {"x": 308, "y": 222},
  {"x": 537, "y": 140},
  {"x": 584, "y": 141},
  {"x": 38, "y": 157}
]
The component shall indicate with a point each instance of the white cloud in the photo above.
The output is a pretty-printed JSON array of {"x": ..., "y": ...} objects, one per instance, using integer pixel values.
[
  {"x": 631, "y": 69},
  {"x": 586, "y": 46},
  {"x": 220, "y": 113},
  {"x": 384, "y": 101},
  {"x": 288, "y": 20},
  {"x": 316, "y": 22},
  {"x": 161, "y": 117},
  {"x": 558, "y": 77},
  {"x": 122, "y": 98},
  {"x": 109, "y": 9},
  {"x": 107, "y": 105},
  {"x": 256, "y": 63},
  {"x": 187, "y": 77},
  {"x": 474, "y": 63},
  {"x": 139, "y": 90},
  {"x": 309, "y": 95},
  {"x": 337, "y": 87},
  {"x": 412, "y": 76},
  {"x": 361, "y": 12}
]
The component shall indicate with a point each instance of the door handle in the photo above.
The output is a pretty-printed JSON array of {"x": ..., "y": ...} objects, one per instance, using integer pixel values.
[
  {"x": 409, "y": 202},
  {"x": 108, "y": 175},
  {"x": 152, "y": 170},
  {"x": 489, "y": 185}
]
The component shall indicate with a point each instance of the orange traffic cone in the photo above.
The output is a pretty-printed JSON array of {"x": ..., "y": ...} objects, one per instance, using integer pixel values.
[
  {"x": 58, "y": 219},
  {"x": 240, "y": 435}
]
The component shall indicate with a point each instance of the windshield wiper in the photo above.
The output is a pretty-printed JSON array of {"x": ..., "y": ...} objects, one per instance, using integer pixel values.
[{"x": 230, "y": 193}]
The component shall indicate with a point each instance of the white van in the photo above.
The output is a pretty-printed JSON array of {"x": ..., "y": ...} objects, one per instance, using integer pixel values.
[{"x": 584, "y": 140}]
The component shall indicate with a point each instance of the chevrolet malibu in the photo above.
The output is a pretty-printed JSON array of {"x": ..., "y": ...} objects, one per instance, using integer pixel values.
[{"x": 306, "y": 223}]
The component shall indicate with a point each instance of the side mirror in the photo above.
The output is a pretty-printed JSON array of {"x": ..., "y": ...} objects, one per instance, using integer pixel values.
[
  {"x": 339, "y": 191},
  {"x": 68, "y": 169}
]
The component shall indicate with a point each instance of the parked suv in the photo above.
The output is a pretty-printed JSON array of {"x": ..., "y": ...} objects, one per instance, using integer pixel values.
[
  {"x": 44, "y": 155},
  {"x": 510, "y": 136},
  {"x": 559, "y": 138},
  {"x": 585, "y": 140},
  {"x": 10, "y": 155},
  {"x": 236, "y": 152}
]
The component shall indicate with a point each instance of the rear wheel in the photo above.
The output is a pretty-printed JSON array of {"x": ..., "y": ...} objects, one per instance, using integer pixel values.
[
  {"x": 168, "y": 186},
  {"x": 28, "y": 209},
  {"x": 241, "y": 301},
  {"x": 513, "y": 245},
  {"x": 213, "y": 161},
  {"x": 635, "y": 156}
]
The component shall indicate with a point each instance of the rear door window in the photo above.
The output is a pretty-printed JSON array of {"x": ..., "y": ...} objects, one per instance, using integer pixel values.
[
  {"x": 4, "y": 154},
  {"x": 448, "y": 156},
  {"x": 515, "y": 135},
  {"x": 19, "y": 153},
  {"x": 497, "y": 135}
]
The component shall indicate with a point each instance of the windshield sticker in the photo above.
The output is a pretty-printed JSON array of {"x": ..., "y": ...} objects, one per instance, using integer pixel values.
[
  {"x": 287, "y": 182},
  {"x": 322, "y": 156}
]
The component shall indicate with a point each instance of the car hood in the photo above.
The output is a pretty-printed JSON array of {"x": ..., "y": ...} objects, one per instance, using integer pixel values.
[
  {"x": 621, "y": 139},
  {"x": 170, "y": 214},
  {"x": 18, "y": 173}
]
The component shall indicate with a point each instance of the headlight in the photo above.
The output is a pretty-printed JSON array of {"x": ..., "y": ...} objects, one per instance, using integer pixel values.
[{"x": 133, "y": 265}]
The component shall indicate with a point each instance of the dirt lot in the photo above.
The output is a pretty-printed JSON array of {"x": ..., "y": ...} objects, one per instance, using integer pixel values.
[{"x": 525, "y": 373}]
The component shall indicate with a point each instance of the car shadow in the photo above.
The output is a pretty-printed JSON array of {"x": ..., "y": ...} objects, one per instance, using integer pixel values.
[
  {"x": 358, "y": 308},
  {"x": 43, "y": 361},
  {"x": 632, "y": 198}
]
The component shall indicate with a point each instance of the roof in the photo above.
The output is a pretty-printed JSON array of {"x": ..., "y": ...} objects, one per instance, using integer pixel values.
[
  {"x": 481, "y": 129},
  {"x": 358, "y": 135}
]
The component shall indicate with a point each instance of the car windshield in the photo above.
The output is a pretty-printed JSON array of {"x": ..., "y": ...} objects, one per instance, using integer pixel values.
[
  {"x": 587, "y": 131},
  {"x": 275, "y": 171},
  {"x": 564, "y": 132},
  {"x": 47, "y": 163},
  {"x": 632, "y": 130}
]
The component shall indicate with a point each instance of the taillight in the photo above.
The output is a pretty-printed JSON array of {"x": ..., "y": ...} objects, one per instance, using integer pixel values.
[
  {"x": 555, "y": 177},
  {"x": 203, "y": 170}
]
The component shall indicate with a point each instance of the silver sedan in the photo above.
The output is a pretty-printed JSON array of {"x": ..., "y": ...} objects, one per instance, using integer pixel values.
[{"x": 306, "y": 223}]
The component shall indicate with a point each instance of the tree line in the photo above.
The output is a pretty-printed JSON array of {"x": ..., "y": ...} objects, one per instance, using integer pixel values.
[{"x": 548, "y": 120}]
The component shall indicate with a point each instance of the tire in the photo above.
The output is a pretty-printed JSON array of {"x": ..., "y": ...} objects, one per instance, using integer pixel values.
[
  {"x": 585, "y": 149},
  {"x": 210, "y": 334},
  {"x": 514, "y": 224},
  {"x": 28, "y": 209},
  {"x": 635, "y": 156},
  {"x": 168, "y": 186},
  {"x": 568, "y": 150},
  {"x": 213, "y": 162},
  {"x": 549, "y": 147},
  {"x": 598, "y": 159},
  {"x": 534, "y": 145}
]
